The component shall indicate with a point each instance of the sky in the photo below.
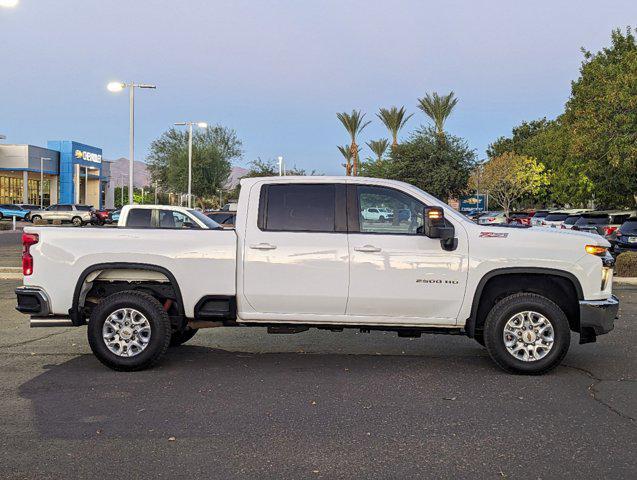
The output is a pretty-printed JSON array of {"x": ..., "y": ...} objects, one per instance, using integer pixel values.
[{"x": 278, "y": 71}]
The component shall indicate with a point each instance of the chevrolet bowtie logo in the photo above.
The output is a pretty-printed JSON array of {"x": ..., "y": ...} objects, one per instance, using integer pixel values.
[{"x": 79, "y": 154}]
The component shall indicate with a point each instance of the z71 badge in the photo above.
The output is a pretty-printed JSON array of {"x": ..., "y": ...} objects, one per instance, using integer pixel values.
[{"x": 493, "y": 235}]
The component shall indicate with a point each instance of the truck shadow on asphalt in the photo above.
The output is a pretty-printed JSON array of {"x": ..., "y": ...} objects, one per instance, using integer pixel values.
[{"x": 202, "y": 392}]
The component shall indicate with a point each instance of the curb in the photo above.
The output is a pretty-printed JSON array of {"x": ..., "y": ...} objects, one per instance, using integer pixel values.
[{"x": 625, "y": 280}]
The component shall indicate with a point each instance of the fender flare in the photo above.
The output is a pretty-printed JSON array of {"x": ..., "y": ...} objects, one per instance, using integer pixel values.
[
  {"x": 74, "y": 312},
  {"x": 471, "y": 321}
]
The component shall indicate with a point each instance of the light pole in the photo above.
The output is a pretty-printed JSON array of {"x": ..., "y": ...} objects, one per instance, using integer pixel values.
[
  {"x": 42, "y": 159},
  {"x": 118, "y": 87},
  {"x": 189, "y": 125},
  {"x": 281, "y": 166}
]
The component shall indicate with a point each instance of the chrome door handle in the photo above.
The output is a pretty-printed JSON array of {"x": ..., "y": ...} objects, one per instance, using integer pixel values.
[
  {"x": 367, "y": 248},
  {"x": 263, "y": 246}
]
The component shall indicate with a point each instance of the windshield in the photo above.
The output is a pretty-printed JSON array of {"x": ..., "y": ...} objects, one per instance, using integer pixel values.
[
  {"x": 208, "y": 222},
  {"x": 599, "y": 220},
  {"x": 571, "y": 220},
  {"x": 629, "y": 226},
  {"x": 556, "y": 217}
]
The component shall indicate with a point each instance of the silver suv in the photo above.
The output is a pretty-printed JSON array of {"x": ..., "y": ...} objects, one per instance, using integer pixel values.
[{"x": 78, "y": 215}]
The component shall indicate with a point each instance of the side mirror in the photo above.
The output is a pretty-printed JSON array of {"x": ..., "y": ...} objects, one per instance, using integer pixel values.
[{"x": 435, "y": 225}]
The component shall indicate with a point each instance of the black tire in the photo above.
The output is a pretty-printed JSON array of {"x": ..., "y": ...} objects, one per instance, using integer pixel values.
[
  {"x": 182, "y": 336},
  {"x": 76, "y": 221},
  {"x": 505, "y": 310},
  {"x": 159, "y": 325},
  {"x": 381, "y": 219},
  {"x": 35, "y": 218}
]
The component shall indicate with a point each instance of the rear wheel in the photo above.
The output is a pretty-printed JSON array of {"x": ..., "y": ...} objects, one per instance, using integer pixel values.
[
  {"x": 182, "y": 336},
  {"x": 36, "y": 218},
  {"x": 526, "y": 333},
  {"x": 381, "y": 219},
  {"x": 129, "y": 331}
]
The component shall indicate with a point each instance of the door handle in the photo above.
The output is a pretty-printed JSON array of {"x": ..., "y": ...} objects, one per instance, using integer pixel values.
[
  {"x": 367, "y": 248},
  {"x": 263, "y": 246}
]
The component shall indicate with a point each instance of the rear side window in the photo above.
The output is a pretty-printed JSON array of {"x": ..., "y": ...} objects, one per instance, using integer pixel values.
[
  {"x": 139, "y": 217},
  {"x": 65, "y": 208},
  {"x": 83, "y": 208},
  {"x": 571, "y": 220},
  {"x": 540, "y": 214},
  {"x": 298, "y": 208}
]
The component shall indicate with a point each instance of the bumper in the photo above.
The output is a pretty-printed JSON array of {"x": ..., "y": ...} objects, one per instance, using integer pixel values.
[
  {"x": 33, "y": 301},
  {"x": 597, "y": 317}
]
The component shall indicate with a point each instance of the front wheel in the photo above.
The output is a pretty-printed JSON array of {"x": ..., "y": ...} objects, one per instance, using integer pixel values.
[
  {"x": 77, "y": 222},
  {"x": 129, "y": 331},
  {"x": 36, "y": 218},
  {"x": 526, "y": 333}
]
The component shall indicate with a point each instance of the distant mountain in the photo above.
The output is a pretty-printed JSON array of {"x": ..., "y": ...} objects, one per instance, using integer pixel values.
[{"x": 142, "y": 175}]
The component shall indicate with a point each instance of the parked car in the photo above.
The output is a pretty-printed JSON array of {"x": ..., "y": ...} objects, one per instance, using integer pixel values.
[
  {"x": 538, "y": 216},
  {"x": 114, "y": 216},
  {"x": 568, "y": 223},
  {"x": 9, "y": 211},
  {"x": 164, "y": 216},
  {"x": 295, "y": 261},
  {"x": 593, "y": 222},
  {"x": 492, "y": 218},
  {"x": 78, "y": 215},
  {"x": 28, "y": 206},
  {"x": 554, "y": 219},
  {"x": 625, "y": 237},
  {"x": 379, "y": 214},
  {"x": 473, "y": 214},
  {"x": 523, "y": 218},
  {"x": 225, "y": 219},
  {"x": 616, "y": 219},
  {"x": 102, "y": 217}
]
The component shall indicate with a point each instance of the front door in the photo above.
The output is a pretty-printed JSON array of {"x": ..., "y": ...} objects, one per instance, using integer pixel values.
[
  {"x": 295, "y": 252},
  {"x": 395, "y": 271}
]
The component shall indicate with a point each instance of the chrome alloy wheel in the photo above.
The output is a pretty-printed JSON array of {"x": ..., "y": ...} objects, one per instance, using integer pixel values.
[
  {"x": 528, "y": 336},
  {"x": 126, "y": 332}
]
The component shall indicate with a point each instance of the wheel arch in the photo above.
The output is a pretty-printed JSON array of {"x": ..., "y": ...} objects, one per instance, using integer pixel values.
[
  {"x": 532, "y": 279},
  {"x": 76, "y": 313}
]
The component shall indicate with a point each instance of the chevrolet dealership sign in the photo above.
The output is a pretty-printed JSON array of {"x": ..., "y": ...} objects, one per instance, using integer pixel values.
[{"x": 88, "y": 156}]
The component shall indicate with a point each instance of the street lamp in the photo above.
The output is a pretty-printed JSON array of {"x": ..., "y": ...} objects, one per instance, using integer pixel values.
[
  {"x": 190, "y": 124},
  {"x": 118, "y": 87},
  {"x": 9, "y": 3},
  {"x": 42, "y": 159},
  {"x": 281, "y": 166}
]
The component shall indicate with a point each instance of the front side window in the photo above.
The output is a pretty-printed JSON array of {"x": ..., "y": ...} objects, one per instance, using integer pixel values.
[
  {"x": 65, "y": 208},
  {"x": 174, "y": 219},
  {"x": 389, "y": 211},
  {"x": 298, "y": 208}
]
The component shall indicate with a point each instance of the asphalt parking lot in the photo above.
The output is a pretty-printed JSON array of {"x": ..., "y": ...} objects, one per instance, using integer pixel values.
[{"x": 239, "y": 403}]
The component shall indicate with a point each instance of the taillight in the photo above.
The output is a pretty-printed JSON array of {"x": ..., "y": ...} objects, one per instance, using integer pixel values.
[
  {"x": 609, "y": 230},
  {"x": 563, "y": 227},
  {"x": 28, "y": 239},
  {"x": 543, "y": 223}
]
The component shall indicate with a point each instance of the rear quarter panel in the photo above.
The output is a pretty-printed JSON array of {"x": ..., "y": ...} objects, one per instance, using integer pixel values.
[{"x": 202, "y": 261}]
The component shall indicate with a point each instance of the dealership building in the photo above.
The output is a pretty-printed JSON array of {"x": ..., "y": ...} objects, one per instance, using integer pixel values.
[{"x": 67, "y": 171}]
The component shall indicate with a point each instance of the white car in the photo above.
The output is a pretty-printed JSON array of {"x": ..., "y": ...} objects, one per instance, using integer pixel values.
[
  {"x": 492, "y": 218},
  {"x": 164, "y": 216},
  {"x": 379, "y": 214},
  {"x": 301, "y": 257},
  {"x": 556, "y": 218}
]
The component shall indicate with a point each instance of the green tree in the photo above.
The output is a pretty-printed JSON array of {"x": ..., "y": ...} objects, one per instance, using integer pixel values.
[
  {"x": 346, "y": 151},
  {"x": 440, "y": 168},
  {"x": 213, "y": 150},
  {"x": 601, "y": 116},
  {"x": 508, "y": 177},
  {"x": 394, "y": 120},
  {"x": 438, "y": 108},
  {"x": 354, "y": 124}
]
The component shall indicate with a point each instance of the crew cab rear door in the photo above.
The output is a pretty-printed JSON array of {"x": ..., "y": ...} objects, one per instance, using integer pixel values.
[
  {"x": 396, "y": 271},
  {"x": 295, "y": 251}
]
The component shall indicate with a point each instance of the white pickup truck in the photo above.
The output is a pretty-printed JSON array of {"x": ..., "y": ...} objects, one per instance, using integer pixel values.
[{"x": 302, "y": 255}]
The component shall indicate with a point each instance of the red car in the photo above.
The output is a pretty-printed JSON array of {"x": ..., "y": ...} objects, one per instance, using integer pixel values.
[
  {"x": 101, "y": 216},
  {"x": 523, "y": 218}
]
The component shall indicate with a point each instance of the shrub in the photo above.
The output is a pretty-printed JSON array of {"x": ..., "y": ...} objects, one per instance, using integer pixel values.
[
  {"x": 6, "y": 225},
  {"x": 626, "y": 265}
]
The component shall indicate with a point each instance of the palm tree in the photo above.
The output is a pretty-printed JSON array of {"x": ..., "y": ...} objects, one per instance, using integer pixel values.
[
  {"x": 347, "y": 154},
  {"x": 354, "y": 125},
  {"x": 379, "y": 147},
  {"x": 438, "y": 108},
  {"x": 394, "y": 119}
]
